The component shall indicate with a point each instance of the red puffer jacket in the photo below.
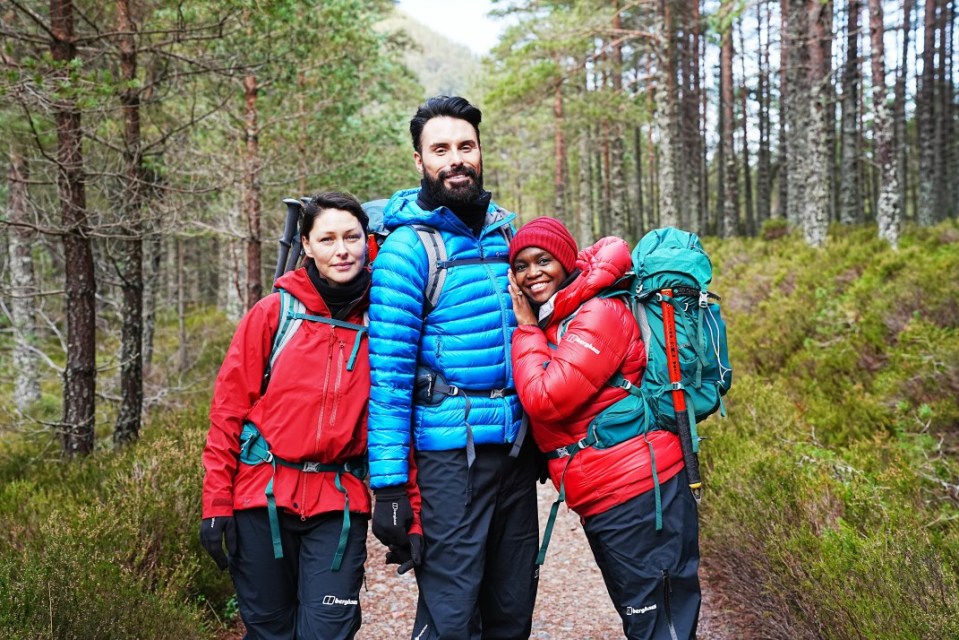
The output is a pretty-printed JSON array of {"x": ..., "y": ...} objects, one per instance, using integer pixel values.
[
  {"x": 313, "y": 410},
  {"x": 563, "y": 389}
]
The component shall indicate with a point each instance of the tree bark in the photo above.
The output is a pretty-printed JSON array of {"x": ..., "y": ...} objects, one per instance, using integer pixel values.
[
  {"x": 795, "y": 106},
  {"x": 559, "y": 143},
  {"x": 152, "y": 259},
  {"x": 183, "y": 351},
  {"x": 731, "y": 187},
  {"x": 764, "y": 157},
  {"x": 945, "y": 123},
  {"x": 784, "y": 100},
  {"x": 130, "y": 267},
  {"x": 252, "y": 206},
  {"x": 667, "y": 116},
  {"x": 79, "y": 376},
  {"x": 887, "y": 214},
  {"x": 702, "y": 109},
  {"x": 23, "y": 288},
  {"x": 619, "y": 209},
  {"x": 926, "y": 113},
  {"x": 584, "y": 210},
  {"x": 692, "y": 119},
  {"x": 744, "y": 121},
  {"x": 850, "y": 197},
  {"x": 584, "y": 213},
  {"x": 901, "y": 144},
  {"x": 640, "y": 206},
  {"x": 816, "y": 205}
]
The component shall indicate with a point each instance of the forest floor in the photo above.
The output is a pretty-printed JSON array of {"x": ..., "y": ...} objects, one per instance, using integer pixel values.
[{"x": 572, "y": 603}]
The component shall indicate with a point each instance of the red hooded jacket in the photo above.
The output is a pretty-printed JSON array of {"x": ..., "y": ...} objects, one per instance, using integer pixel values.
[
  {"x": 563, "y": 389},
  {"x": 312, "y": 410}
]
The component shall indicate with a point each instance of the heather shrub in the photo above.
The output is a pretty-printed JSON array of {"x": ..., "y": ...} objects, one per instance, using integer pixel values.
[{"x": 831, "y": 488}]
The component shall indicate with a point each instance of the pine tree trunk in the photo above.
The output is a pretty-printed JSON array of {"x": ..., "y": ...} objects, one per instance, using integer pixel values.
[
  {"x": 850, "y": 198},
  {"x": 653, "y": 187},
  {"x": 720, "y": 161},
  {"x": 641, "y": 219},
  {"x": 829, "y": 101},
  {"x": 926, "y": 113},
  {"x": 252, "y": 206},
  {"x": 747, "y": 171},
  {"x": 702, "y": 109},
  {"x": 183, "y": 361},
  {"x": 730, "y": 225},
  {"x": 887, "y": 215},
  {"x": 559, "y": 143},
  {"x": 901, "y": 144},
  {"x": 667, "y": 117},
  {"x": 619, "y": 208},
  {"x": 763, "y": 159},
  {"x": 23, "y": 288},
  {"x": 785, "y": 99},
  {"x": 584, "y": 210},
  {"x": 152, "y": 259},
  {"x": 641, "y": 214},
  {"x": 797, "y": 107},
  {"x": 585, "y": 237},
  {"x": 79, "y": 376},
  {"x": 130, "y": 266},
  {"x": 691, "y": 123},
  {"x": 606, "y": 203},
  {"x": 815, "y": 216},
  {"x": 945, "y": 123}
]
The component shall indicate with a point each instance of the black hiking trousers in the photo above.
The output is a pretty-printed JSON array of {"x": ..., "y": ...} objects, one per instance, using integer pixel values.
[
  {"x": 479, "y": 576},
  {"x": 298, "y": 597},
  {"x": 652, "y": 576}
]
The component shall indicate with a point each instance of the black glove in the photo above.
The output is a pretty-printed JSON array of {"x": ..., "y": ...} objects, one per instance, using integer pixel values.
[
  {"x": 213, "y": 533},
  {"x": 392, "y": 516},
  {"x": 407, "y": 557}
]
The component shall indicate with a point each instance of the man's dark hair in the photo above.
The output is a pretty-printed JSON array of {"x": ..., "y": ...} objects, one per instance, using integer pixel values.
[
  {"x": 332, "y": 200},
  {"x": 451, "y": 106}
]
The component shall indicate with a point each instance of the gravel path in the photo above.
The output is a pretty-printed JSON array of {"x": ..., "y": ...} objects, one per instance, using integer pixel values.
[{"x": 571, "y": 604}]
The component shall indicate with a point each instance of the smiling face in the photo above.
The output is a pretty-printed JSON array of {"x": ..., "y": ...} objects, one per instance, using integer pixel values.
[
  {"x": 337, "y": 245},
  {"x": 450, "y": 160},
  {"x": 538, "y": 274}
]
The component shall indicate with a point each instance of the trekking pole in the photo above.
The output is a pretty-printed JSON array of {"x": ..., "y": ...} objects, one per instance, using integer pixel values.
[
  {"x": 679, "y": 398},
  {"x": 289, "y": 235}
]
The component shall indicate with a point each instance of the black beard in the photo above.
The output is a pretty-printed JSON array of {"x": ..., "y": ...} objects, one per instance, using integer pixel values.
[{"x": 457, "y": 196}]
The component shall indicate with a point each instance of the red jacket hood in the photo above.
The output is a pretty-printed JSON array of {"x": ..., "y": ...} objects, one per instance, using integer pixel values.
[{"x": 600, "y": 265}]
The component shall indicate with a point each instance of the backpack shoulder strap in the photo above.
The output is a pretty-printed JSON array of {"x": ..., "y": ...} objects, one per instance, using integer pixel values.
[
  {"x": 436, "y": 255},
  {"x": 291, "y": 317}
]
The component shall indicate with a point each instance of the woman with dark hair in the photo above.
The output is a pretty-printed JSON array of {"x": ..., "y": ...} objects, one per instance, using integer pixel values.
[
  {"x": 639, "y": 516},
  {"x": 285, "y": 457}
]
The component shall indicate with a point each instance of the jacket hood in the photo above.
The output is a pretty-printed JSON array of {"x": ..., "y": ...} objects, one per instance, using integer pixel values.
[
  {"x": 402, "y": 210},
  {"x": 600, "y": 265},
  {"x": 298, "y": 283}
]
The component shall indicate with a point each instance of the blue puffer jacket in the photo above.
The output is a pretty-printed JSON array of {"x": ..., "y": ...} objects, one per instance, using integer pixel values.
[{"x": 466, "y": 337}]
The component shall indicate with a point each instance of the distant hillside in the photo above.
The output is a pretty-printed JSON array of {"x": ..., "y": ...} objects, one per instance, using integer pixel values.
[{"x": 441, "y": 65}]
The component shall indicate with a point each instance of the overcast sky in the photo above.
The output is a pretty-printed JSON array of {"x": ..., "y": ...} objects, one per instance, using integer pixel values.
[{"x": 462, "y": 21}]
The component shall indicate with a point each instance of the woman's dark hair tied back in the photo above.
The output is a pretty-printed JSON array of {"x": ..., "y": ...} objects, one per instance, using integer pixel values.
[{"x": 332, "y": 200}]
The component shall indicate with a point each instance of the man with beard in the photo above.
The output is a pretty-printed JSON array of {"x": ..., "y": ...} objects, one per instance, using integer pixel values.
[{"x": 444, "y": 416}]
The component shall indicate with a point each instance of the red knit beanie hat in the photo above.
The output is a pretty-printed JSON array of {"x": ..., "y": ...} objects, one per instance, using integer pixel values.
[{"x": 549, "y": 234}]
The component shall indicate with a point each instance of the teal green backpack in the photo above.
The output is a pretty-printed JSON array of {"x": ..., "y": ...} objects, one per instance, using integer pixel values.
[{"x": 667, "y": 291}]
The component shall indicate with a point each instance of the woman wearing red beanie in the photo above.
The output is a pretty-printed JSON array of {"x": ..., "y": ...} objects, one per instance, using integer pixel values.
[{"x": 567, "y": 347}]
